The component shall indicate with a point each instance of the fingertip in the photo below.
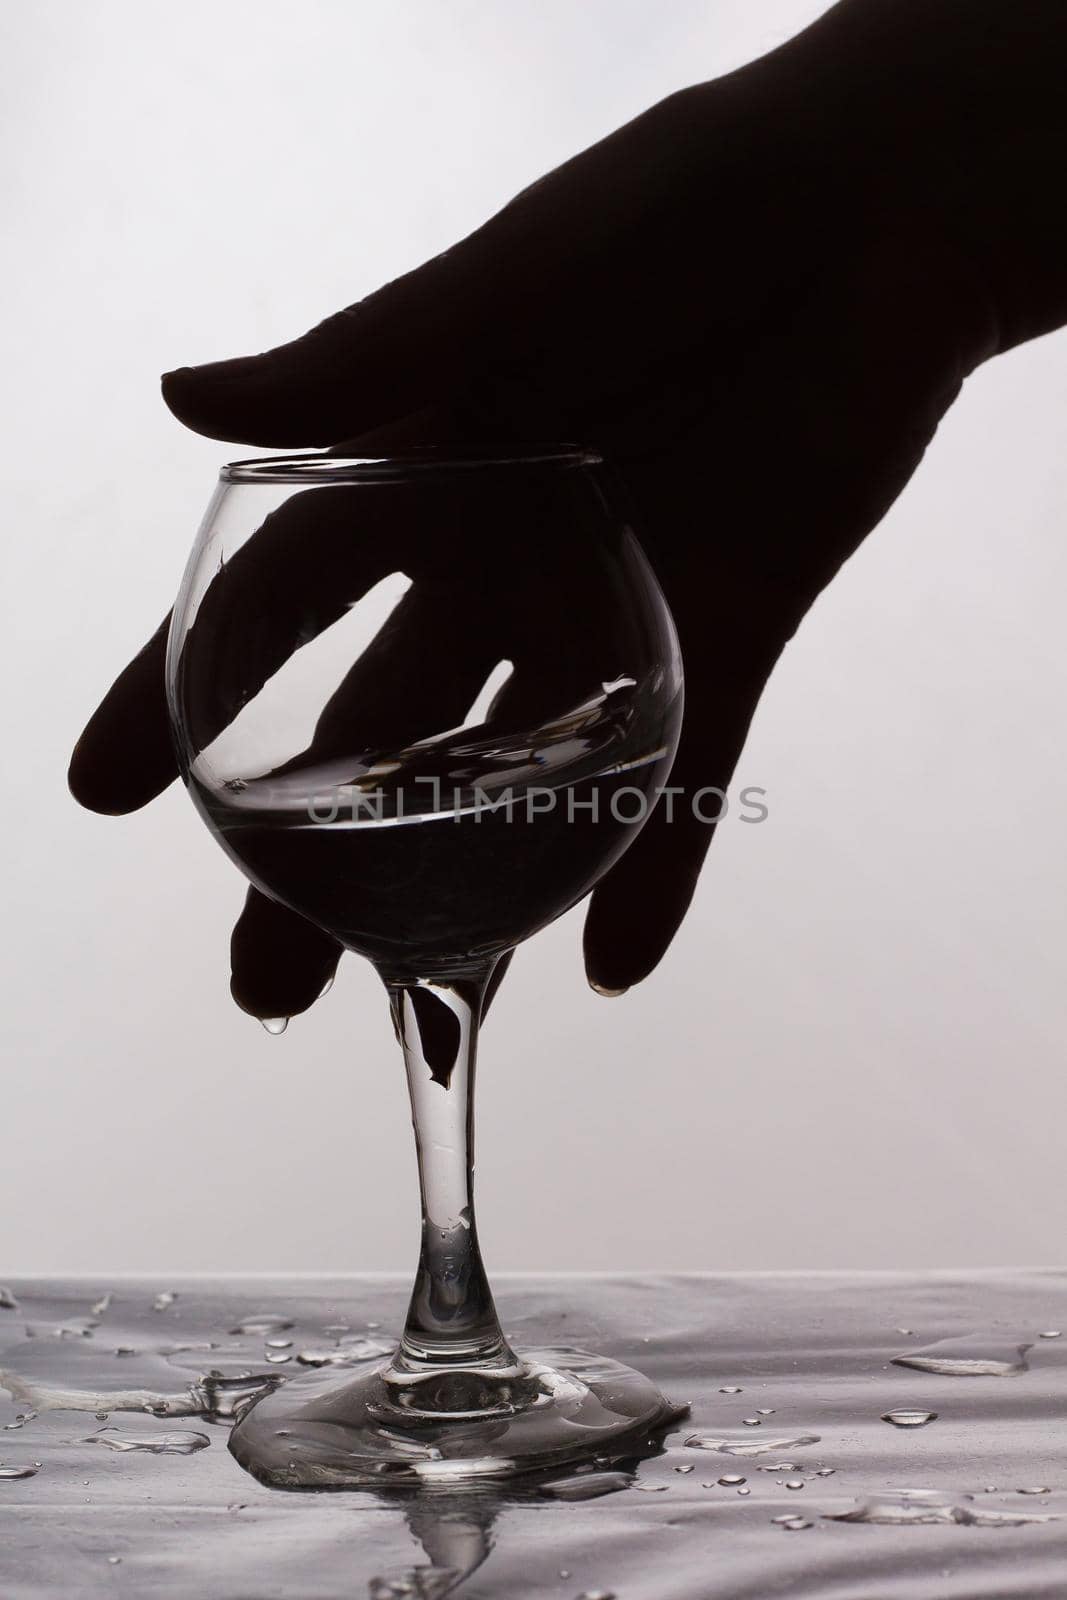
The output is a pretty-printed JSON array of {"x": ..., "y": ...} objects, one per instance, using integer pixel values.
[{"x": 280, "y": 963}]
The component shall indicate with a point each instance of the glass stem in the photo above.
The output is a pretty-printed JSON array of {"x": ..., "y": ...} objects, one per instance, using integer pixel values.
[{"x": 451, "y": 1321}]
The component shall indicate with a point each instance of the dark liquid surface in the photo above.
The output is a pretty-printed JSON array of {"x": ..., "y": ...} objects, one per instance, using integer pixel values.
[{"x": 448, "y": 890}]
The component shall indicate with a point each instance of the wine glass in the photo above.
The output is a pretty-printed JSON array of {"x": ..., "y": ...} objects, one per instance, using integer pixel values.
[{"x": 425, "y": 702}]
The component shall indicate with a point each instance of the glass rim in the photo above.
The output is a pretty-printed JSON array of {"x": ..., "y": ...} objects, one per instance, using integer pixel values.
[{"x": 318, "y": 467}]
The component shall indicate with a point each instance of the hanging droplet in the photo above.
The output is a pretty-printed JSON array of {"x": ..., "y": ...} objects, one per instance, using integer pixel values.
[{"x": 274, "y": 1025}]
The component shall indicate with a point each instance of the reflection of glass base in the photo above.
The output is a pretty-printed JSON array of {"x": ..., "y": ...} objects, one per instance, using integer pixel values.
[{"x": 562, "y": 1406}]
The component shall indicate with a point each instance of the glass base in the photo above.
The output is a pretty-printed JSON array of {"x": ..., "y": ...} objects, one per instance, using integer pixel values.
[{"x": 556, "y": 1408}]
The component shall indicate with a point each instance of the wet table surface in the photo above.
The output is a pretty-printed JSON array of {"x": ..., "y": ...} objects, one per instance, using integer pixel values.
[{"x": 970, "y": 1504}]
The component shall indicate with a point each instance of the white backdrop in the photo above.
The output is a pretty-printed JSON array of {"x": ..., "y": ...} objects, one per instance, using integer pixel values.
[{"x": 873, "y": 1075}]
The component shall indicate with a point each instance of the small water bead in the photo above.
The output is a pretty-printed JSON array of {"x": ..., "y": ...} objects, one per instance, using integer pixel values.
[
  {"x": 265, "y": 1323},
  {"x": 278, "y": 1358},
  {"x": 1051, "y": 1333},
  {"x": 907, "y": 1332},
  {"x": 731, "y": 1388},
  {"x": 162, "y": 1301},
  {"x": 751, "y": 1422},
  {"x": 18, "y": 1472},
  {"x": 597, "y": 1594},
  {"x": 274, "y": 1025},
  {"x": 279, "y": 1344},
  {"x": 98, "y": 1307},
  {"x": 794, "y": 1483},
  {"x": 730, "y": 1480},
  {"x": 114, "y": 1561},
  {"x": 765, "y": 1411},
  {"x": 7, "y": 1300},
  {"x": 825, "y": 1472},
  {"x": 796, "y": 1524},
  {"x": 686, "y": 1466},
  {"x": 909, "y": 1419},
  {"x": 1040, "y": 1489},
  {"x": 651, "y": 1488},
  {"x": 744, "y": 1491},
  {"x": 21, "y": 1419}
]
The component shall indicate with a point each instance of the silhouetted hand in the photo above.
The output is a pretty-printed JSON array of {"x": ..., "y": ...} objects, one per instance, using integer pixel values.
[{"x": 758, "y": 298}]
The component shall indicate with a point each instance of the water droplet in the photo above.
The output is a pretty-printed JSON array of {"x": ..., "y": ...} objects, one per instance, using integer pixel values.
[
  {"x": 162, "y": 1301},
  {"x": 905, "y": 1418},
  {"x": 751, "y": 1422},
  {"x": 765, "y": 1411},
  {"x": 907, "y": 1332},
  {"x": 785, "y": 1516},
  {"x": 825, "y": 1472},
  {"x": 265, "y": 1322},
  {"x": 795, "y": 1524},
  {"x": 897, "y": 1509},
  {"x": 586, "y": 1485},
  {"x": 274, "y": 1025},
  {"x": 220, "y": 1399},
  {"x": 279, "y": 1344},
  {"x": 1050, "y": 1333},
  {"x": 98, "y": 1307},
  {"x": 18, "y": 1472},
  {"x": 731, "y": 1444},
  {"x": 730, "y": 1480},
  {"x": 21, "y": 1419},
  {"x": 1038, "y": 1490},
  {"x": 114, "y": 1561},
  {"x": 973, "y": 1357},
  {"x": 183, "y": 1442},
  {"x": 7, "y": 1300},
  {"x": 744, "y": 1491},
  {"x": 794, "y": 1483},
  {"x": 650, "y": 1488},
  {"x": 373, "y": 1325},
  {"x": 597, "y": 1594},
  {"x": 278, "y": 1358},
  {"x": 344, "y": 1355},
  {"x": 333, "y": 1328},
  {"x": 686, "y": 1466},
  {"x": 731, "y": 1388}
]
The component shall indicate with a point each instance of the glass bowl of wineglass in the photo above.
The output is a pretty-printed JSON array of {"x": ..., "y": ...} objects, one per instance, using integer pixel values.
[{"x": 425, "y": 702}]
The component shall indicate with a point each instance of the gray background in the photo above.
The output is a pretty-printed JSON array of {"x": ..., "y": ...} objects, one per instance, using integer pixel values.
[{"x": 853, "y": 1055}]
